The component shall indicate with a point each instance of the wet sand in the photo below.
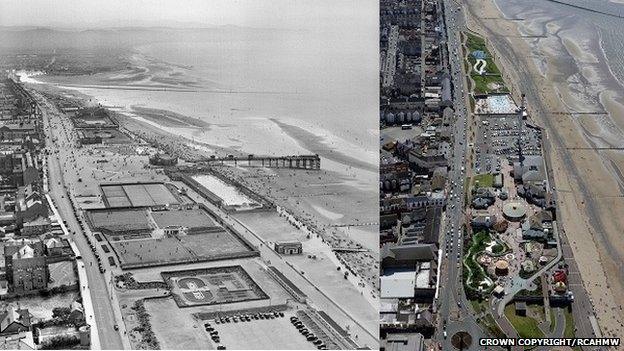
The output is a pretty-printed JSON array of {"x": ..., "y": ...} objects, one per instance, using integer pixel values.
[
  {"x": 316, "y": 145},
  {"x": 169, "y": 119},
  {"x": 588, "y": 185}
]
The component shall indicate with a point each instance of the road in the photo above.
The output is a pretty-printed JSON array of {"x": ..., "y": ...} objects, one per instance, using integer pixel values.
[
  {"x": 60, "y": 143},
  {"x": 454, "y": 309}
]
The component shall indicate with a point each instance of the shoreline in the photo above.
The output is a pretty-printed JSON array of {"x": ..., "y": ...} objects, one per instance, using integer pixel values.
[
  {"x": 590, "y": 222},
  {"x": 165, "y": 138},
  {"x": 195, "y": 129},
  {"x": 315, "y": 144}
]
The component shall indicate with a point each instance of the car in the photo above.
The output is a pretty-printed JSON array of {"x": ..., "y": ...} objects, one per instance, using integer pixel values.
[
  {"x": 445, "y": 334},
  {"x": 116, "y": 327}
]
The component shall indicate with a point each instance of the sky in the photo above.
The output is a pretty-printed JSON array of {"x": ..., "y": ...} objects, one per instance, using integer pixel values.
[{"x": 183, "y": 13}]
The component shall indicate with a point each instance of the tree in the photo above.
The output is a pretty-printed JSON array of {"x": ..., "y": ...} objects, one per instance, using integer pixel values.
[{"x": 61, "y": 312}]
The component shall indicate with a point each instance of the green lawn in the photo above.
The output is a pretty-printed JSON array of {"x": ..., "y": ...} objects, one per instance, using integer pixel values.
[
  {"x": 473, "y": 270},
  {"x": 479, "y": 305},
  {"x": 474, "y": 42},
  {"x": 525, "y": 326},
  {"x": 569, "y": 327},
  {"x": 489, "y": 324},
  {"x": 482, "y": 83},
  {"x": 486, "y": 180}
]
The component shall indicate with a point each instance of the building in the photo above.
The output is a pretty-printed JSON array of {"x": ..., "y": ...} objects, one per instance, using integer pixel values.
[
  {"x": 398, "y": 284},
  {"x": 288, "y": 247},
  {"x": 403, "y": 342},
  {"x": 174, "y": 230},
  {"x": 56, "y": 247},
  {"x": 26, "y": 268},
  {"x": 16, "y": 130},
  {"x": 499, "y": 291},
  {"x": 14, "y": 321},
  {"x": 163, "y": 160},
  {"x": 37, "y": 226},
  {"x": 521, "y": 308},
  {"x": 482, "y": 219}
]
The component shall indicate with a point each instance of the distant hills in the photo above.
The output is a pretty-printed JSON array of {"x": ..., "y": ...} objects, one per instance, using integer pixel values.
[{"x": 31, "y": 37}]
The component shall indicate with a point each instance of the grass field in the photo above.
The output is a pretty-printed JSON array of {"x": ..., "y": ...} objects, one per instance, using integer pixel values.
[
  {"x": 485, "y": 180},
  {"x": 483, "y": 83},
  {"x": 120, "y": 221},
  {"x": 474, "y": 272},
  {"x": 569, "y": 327},
  {"x": 525, "y": 326},
  {"x": 186, "y": 248},
  {"x": 137, "y": 195},
  {"x": 194, "y": 218},
  {"x": 489, "y": 324}
]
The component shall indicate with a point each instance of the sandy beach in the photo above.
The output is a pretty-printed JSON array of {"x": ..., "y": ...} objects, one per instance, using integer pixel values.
[
  {"x": 340, "y": 207},
  {"x": 588, "y": 182}
]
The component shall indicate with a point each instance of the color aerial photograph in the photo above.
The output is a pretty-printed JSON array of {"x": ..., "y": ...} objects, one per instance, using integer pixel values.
[
  {"x": 501, "y": 160},
  {"x": 189, "y": 175}
]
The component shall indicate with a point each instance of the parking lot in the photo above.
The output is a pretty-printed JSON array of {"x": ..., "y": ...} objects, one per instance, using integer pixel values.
[
  {"x": 497, "y": 139},
  {"x": 262, "y": 334}
]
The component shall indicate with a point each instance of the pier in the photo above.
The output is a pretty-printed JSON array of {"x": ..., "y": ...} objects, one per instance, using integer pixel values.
[{"x": 312, "y": 162}]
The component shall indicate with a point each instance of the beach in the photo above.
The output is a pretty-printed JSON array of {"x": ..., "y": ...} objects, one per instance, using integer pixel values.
[
  {"x": 573, "y": 93},
  {"x": 212, "y": 99}
]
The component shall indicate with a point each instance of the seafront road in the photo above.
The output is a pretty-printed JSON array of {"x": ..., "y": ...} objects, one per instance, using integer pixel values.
[{"x": 60, "y": 143}]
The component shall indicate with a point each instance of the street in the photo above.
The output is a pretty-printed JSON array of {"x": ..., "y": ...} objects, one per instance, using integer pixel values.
[
  {"x": 453, "y": 309},
  {"x": 59, "y": 142}
]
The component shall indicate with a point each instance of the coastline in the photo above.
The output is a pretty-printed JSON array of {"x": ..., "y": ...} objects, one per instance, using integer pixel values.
[
  {"x": 586, "y": 187},
  {"x": 315, "y": 144},
  {"x": 159, "y": 126}
]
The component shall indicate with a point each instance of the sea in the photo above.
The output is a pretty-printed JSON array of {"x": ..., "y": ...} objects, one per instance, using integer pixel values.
[
  {"x": 321, "y": 79},
  {"x": 586, "y": 38}
]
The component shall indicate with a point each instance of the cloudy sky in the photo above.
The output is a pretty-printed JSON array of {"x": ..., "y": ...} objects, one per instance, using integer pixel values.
[{"x": 183, "y": 13}]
